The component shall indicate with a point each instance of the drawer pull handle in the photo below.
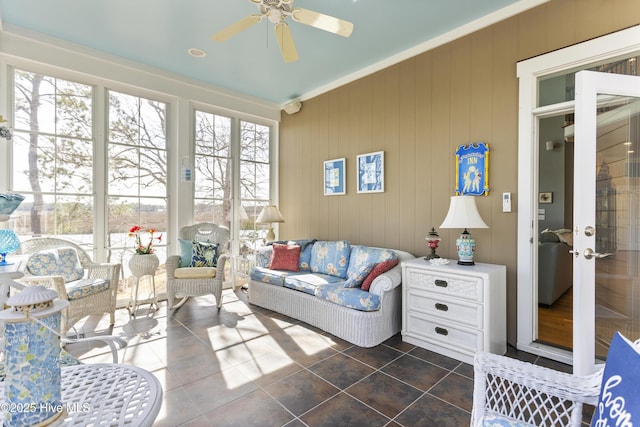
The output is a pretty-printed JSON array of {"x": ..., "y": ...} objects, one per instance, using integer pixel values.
[
  {"x": 441, "y": 283},
  {"x": 441, "y": 331},
  {"x": 442, "y": 307}
]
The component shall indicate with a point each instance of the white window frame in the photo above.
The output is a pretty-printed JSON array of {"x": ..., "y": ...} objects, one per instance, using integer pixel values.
[
  {"x": 236, "y": 200},
  {"x": 50, "y": 56}
]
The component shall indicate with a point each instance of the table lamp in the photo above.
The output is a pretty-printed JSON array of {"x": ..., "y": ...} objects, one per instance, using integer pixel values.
[
  {"x": 463, "y": 213},
  {"x": 269, "y": 215}
]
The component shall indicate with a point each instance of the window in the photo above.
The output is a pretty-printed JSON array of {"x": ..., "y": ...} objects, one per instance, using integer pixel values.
[
  {"x": 91, "y": 170},
  {"x": 215, "y": 174},
  {"x": 556, "y": 88},
  {"x": 53, "y": 157},
  {"x": 213, "y": 169},
  {"x": 254, "y": 182},
  {"x": 136, "y": 175}
]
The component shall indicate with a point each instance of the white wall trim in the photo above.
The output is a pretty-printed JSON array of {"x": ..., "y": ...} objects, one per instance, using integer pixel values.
[
  {"x": 18, "y": 44},
  {"x": 618, "y": 44}
]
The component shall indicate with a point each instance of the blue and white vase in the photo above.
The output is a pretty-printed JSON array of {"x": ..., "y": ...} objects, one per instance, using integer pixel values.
[{"x": 32, "y": 358}]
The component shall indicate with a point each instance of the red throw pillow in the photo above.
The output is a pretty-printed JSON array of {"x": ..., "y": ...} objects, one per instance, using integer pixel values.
[
  {"x": 378, "y": 270},
  {"x": 285, "y": 257}
]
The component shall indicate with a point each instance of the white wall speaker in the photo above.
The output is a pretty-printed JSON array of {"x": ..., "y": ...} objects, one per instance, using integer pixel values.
[{"x": 293, "y": 107}]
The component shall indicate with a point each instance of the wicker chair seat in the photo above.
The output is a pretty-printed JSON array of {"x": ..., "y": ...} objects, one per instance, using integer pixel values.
[
  {"x": 84, "y": 287},
  {"x": 195, "y": 272},
  {"x": 182, "y": 288}
]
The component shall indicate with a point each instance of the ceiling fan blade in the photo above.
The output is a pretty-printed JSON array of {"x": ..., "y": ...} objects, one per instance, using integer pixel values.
[
  {"x": 235, "y": 28},
  {"x": 285, "y": 40},
  {"x": 323, "y": 22}
]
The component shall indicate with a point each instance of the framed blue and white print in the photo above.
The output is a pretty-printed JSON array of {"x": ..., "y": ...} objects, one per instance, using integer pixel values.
[
  {"x": 334, "y": 183},
  {"x": 371, "y": 172}
]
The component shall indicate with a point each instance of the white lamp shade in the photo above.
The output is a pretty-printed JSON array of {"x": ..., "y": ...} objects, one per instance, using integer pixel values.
[
  {"x": 463, "y": 213},
  {"x": 270, "y": 214}
]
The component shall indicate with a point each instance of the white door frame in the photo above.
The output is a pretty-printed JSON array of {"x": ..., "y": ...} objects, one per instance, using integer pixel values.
[{"x": 618, "y": 44}]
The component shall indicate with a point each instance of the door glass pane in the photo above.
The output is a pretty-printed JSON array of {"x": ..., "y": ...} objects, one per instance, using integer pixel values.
[
  {"x": 557, "y": 88},
  {"x": 617, "y": 220},
  {"x": 555, "y": 216}
]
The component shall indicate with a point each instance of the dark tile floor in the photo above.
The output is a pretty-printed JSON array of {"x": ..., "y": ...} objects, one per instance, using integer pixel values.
[{"x": 246, "y": 366}]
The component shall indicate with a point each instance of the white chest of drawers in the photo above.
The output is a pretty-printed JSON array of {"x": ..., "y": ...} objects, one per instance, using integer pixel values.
[{"x": 453, "y": 309}]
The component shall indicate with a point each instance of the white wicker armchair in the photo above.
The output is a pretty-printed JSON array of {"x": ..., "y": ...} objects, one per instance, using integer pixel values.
[
  {"x": 95, "y": 303},
  {"x": 531, "y": 394},
  {"x": 196, "y": 286}
]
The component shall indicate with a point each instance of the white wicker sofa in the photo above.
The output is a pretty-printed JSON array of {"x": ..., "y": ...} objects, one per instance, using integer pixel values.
[{"x": 334, "y": 302}]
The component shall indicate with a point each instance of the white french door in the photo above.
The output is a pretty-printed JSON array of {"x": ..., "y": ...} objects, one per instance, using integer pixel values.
[{"x": 606, "y": 219}]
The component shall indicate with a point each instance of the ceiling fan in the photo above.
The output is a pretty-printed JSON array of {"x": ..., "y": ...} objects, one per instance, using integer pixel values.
[{"x": 277, "y": 11}]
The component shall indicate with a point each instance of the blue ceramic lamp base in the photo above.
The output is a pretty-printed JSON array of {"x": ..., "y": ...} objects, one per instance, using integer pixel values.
[{"x": 466, "y": 246}]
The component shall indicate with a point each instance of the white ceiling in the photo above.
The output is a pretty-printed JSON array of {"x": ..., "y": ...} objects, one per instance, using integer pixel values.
[{"x": 158, "y": 33}]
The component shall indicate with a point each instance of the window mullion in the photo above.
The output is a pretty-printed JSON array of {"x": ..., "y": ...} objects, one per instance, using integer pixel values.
[
  {"x": 100, "y": 173},
  {"x": 235, "y": 185}
]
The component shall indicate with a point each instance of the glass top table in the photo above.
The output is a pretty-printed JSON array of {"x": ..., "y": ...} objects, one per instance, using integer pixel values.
[
  {"x": 106, "y": 394},
  {"x": 12, "y": 270}
]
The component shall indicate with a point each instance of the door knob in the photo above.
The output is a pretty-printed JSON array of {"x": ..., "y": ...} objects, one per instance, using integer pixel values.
[{"x": 589, "y": 253}]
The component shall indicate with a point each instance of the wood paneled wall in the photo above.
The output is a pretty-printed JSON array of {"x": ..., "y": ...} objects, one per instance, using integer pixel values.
[{"x": 418, "y": 112}]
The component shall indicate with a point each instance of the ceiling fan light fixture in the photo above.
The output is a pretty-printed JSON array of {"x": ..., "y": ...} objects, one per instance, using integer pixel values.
[
  {"x": 276, "y": 11},
  {"x": 275, "y": 15}
]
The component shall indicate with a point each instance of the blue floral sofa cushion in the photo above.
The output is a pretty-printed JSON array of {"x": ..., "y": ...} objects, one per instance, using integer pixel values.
[
  {"x": 354, "y": 298},
  {"x": 330, "y": 258},
  {"x": 308, "y": 283},
  {"x": 265, "y": 275},
  {"x": 364, "y": 255},
  {"x": 306, "y": 247},
  {"x": 355, "y": 278},
  {"x": 56, "y": 262},
  {"x": 65, "y": 262}
]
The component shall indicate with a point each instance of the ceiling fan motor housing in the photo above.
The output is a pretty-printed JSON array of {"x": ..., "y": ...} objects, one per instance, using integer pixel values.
[{"x": 275, "y": 10}]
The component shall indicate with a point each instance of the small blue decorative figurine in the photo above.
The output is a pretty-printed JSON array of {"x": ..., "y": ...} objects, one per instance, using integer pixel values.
[{"x": 9, "y": 241}]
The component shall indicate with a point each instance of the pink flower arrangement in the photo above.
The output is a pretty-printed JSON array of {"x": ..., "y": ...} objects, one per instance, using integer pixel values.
[{"x": 144, "y": 249}]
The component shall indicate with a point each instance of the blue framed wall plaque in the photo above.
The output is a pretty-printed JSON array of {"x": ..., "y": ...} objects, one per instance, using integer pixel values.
[
  {"x": 334, "y": 183},
  {"x": 472, "y": 169}
]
